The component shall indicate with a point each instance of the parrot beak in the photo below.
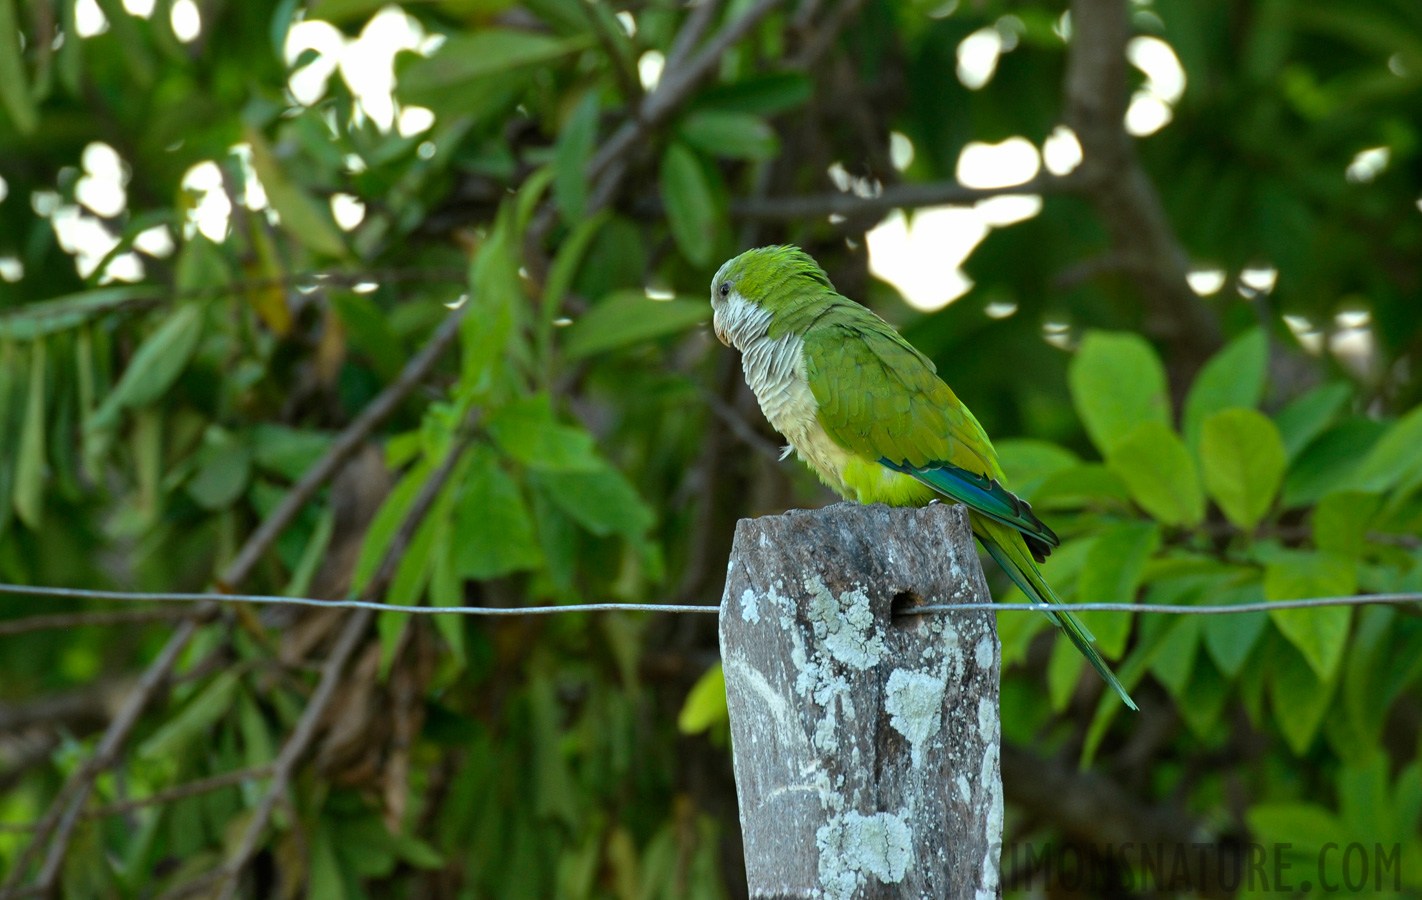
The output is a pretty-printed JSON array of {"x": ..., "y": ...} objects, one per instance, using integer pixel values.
[{"x": 716, "y": 327}]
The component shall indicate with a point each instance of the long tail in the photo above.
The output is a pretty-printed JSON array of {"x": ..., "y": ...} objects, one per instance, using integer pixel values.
[{"x": 1006, "y": 546}]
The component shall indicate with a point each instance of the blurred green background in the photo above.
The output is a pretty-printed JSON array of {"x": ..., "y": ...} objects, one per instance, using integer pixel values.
[{"x": 228, "y": 228}]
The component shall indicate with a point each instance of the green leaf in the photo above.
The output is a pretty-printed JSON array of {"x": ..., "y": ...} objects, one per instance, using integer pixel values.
[
  {"x": 35, "y": 320},
  {"x": 1320, "y": 634},
  {"x": 386, "y": 523},
  {"x": 201, "y": 713},
  {"x": 705, "y": 704},
  {"x": 527, "y": 431},
  {"x": 1084, "y": 485},
  {"x": 493, "y": 533},
  {"x": 1202, "y": 700},
  {"x": 484, "y": 54},
  {"x": 1117, "y": 383},
  {"x": 1112, "y": 574},
  {"x": 691, "y": 207},
  {"x": 487, "y": 334},
  {"x": 1394, "y": 456},
  {"x": 1029, "y": 463},
  {"x": 14, "y": 85},
  {"x": 287, "y": 452},
  {"x": 571, "y": 153},
  {"x": 1230, "y": 638},
  {"x": 224, "y": 468},
  {"x": 764, "y": 93},
  {"x": 155, "y": 366},
  {"x": 1330, "y": 463},
  {"x": 630, "y": 317},
  {"x": 1340, "y": 521},
  {"x": 29, "y": 461},
  {"x": 1306, "y": 417},
  {"x": 446, "y": 589},
  {"x": 1233, "y": 377},
  {"x": 604, "y": 502},
  {"x": 1306, "y": 825},
  {"x": 1242, "y": 459},
  {"x": 1174, "y": 662},
  {"x": 735, "y": 135},
  {"x": 1299, "y": 698},
  {"x": 1064, "y": 668},
  {"x": 308, "y": 222},
  {"x": 1160, "y": 474}
]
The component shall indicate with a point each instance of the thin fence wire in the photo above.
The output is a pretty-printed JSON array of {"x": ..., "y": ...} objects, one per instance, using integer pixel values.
[{"x": 1395, "y": 599}]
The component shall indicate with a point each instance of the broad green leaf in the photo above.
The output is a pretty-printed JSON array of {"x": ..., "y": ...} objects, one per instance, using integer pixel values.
[
  {"x": 492, "y": 533},
  {"x": 496, "y": 294},
  {"x": 1112, "y": 574},
  {"x": 1299, "y": 698},
  {"x": 224, "y": 468},
  {"x": 1395, "y": 456},
  {"x": 157, "y": 364},
  {"x": 560, "y": 278},
  {"x": 1029, "y": 463},
  {"x": 484, "y": 54},
  {"x": 1306, "y": 417},
  {"x": 287, "y": 452},
  {"x": 1306, "y": 825},
  {"x": 1320, "y": 634},
  {"x": 1061, "y": 571},
  {"x": 1082, "y": 485},
  {"x": 1203, "y": 699},
  {"x": 766, "y": 93},
  {"x": 200, "y": 714},
  {"x": 14, "y": 84},
  {"x": 1117, "y": 383},
  {"x": 527, "y": 431},
  {"x": 1330, "y": 463},
  {"x": 1242, "y": 460},
  {"x": 30, "y": 460},
  {"x": 1174, "y": 662},
  {"x": 630, "y": 317},
  {"x": 571, "y": 153},
  {"x": 692, "y": 209},
  {"x": 308, "y": 222},
  {"x": 1160, "y": 474},
  {"x": 604, "y": 502},
  {"x": 1340, "y": 521},
  {"x": 1064, "y": 668},
  {"x": 1233, "y": 377},
  {"x": 705, "y": 704},
  {"x": 1230, "y": 638},
  {"x": 731, "y": 134},
  {"x": 446, "y": 589}
]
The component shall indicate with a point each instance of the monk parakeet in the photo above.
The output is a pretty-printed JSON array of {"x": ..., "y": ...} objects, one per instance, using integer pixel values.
[{"x": 869, "y": 414}]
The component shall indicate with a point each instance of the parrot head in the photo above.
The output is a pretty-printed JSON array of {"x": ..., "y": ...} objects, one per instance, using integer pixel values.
[{"x": 751, "y": 289}]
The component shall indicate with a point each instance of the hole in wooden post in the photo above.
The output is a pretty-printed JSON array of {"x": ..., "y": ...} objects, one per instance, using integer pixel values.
[{"x": 901, "y": 610}]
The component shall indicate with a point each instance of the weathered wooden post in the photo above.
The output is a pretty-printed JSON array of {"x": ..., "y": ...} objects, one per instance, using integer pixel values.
[{"x": 866, "y": 745}]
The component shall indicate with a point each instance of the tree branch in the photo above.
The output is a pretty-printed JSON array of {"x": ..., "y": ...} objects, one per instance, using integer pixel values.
[
  {"x": 79, "y": 620},
  {"x": 899, "y": 196},
  {"x": 1114, "y": 181}
]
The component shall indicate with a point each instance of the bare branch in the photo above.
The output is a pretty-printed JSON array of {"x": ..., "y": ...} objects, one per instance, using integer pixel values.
[
  {"x": 1123, "y": 194},
  {"x": 899, "y": 196}
]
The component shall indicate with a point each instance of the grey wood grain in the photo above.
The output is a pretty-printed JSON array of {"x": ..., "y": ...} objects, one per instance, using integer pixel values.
[{"x": 866, "y": 745}]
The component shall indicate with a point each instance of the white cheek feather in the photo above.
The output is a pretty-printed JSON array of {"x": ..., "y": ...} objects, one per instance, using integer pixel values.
[{"x": 775, "y": 371}]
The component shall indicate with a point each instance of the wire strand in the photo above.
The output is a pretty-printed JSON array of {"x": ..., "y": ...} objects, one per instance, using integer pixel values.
[{"x": 1166, "y": 609}]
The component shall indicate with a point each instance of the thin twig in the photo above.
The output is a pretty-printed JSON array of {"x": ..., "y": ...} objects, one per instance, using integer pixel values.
[
  {"x": 58, "y": 621},
  {"x": 899, "y": 196}
]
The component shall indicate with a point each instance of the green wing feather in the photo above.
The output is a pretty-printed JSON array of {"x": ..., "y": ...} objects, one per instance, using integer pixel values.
[{"x": 881, "y": 398}]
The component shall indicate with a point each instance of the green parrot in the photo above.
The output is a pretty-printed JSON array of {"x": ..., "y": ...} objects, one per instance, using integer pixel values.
[{"x": 869, "y": 414}]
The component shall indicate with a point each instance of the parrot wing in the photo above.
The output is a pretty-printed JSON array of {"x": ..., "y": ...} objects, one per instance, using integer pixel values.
[{"x": 881, "y": 398}]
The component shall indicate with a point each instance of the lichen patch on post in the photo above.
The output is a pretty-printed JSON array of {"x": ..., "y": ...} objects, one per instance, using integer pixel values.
[
  {"x": 914, "y": 702},
  {"x": 750, "y": 610},
  {"x": 853, "y": 846},
  {"x": 845, "y": 624}
]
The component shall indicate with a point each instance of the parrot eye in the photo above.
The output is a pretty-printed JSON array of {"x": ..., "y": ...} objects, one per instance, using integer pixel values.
[{"x": 725, "y": 290}]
